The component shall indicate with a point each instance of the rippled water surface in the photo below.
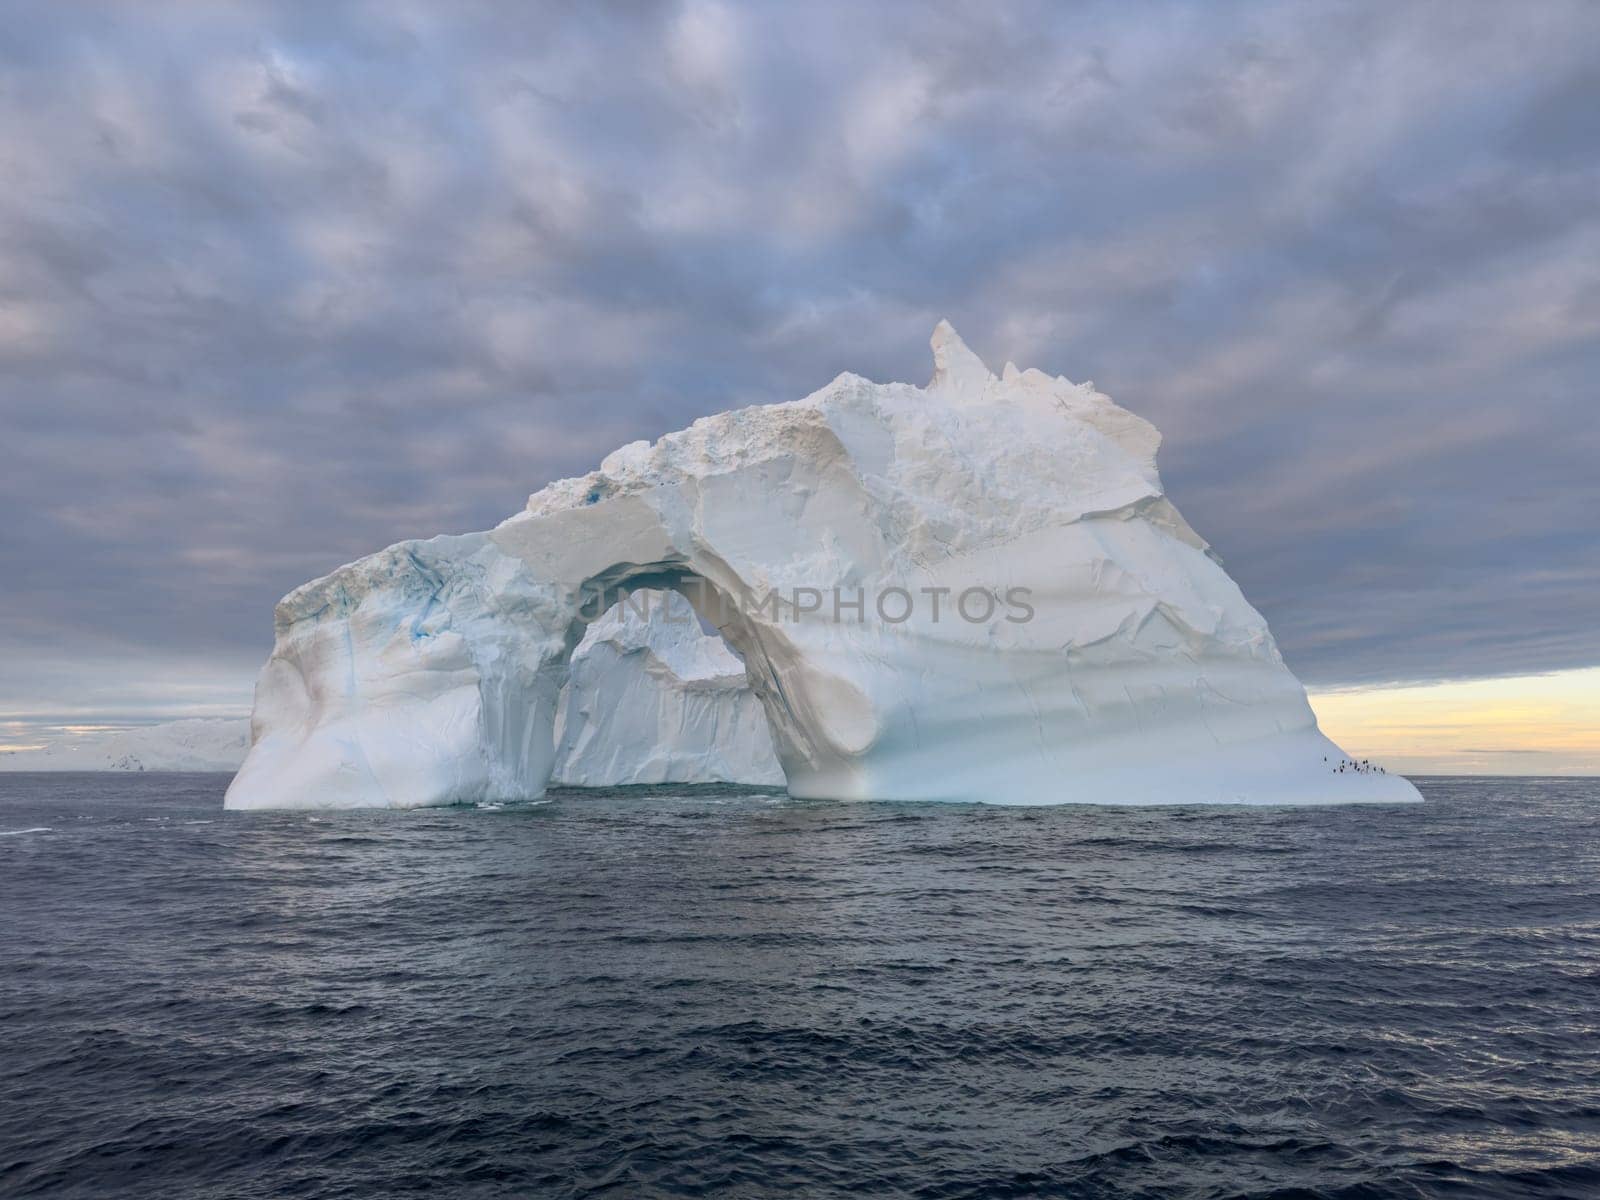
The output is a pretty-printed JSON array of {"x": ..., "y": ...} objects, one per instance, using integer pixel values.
[{"x": 670, "y": 992}]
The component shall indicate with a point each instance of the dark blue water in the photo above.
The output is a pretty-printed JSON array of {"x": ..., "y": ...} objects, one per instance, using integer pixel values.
[{"x": 681, "y": 992}]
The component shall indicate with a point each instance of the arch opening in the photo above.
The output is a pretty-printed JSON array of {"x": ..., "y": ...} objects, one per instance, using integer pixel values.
[
  {"x": 718, "y": 616},
  {"x": 654, "y": 694}
]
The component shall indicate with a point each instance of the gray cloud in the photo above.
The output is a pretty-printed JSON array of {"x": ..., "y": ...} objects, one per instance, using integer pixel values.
[{"x": 282, "y": 284}]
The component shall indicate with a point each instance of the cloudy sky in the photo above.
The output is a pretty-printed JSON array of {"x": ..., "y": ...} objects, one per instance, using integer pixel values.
[{"x": 281, "y": 284}]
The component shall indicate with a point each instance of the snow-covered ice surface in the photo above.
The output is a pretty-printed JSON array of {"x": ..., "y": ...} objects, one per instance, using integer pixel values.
[
  {"x": 201, "y": 744},
  {"x": 652, "y": 698},
  {"x": 430, "y": 672}
]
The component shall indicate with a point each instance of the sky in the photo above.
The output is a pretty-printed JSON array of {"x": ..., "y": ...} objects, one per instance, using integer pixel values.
[
  {"x": 281, "y": 284},
  {"x": 1501, "y": 726}
]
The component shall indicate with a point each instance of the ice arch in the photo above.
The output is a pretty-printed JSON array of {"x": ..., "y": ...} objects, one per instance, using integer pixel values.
[
  {"x": 431, "y": 672},
  {"x": 653, "y": 697},
  {"x": 428, "y": 673}
]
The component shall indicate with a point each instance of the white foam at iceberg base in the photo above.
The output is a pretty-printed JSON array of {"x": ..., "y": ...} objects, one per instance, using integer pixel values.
[{"x": 430, "y": 672}]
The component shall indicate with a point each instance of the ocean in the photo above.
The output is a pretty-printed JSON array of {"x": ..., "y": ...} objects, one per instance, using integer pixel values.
[{"x": 722, "y": 992}]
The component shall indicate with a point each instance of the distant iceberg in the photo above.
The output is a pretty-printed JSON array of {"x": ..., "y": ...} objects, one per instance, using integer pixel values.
[
  {"x": 201, "y": 744},
  {"x": 972, "y": 591}
]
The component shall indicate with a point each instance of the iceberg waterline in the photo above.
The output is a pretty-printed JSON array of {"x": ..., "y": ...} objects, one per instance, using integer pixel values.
[{"x": 432, "y": 671}]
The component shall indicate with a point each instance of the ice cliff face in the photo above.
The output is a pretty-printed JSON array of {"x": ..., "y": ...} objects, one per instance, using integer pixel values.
[
  {"x": 651, "y": 698},
  {"x": 843, "y": 545}
]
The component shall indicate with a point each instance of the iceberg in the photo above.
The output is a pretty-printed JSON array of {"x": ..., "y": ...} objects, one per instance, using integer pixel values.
[
  {"x": 975, "y": 590},
  {"x": 198, "y": 744}
]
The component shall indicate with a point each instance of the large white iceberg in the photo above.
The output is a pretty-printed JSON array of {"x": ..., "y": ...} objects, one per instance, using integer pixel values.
[{"x": 973, "y": 591}]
